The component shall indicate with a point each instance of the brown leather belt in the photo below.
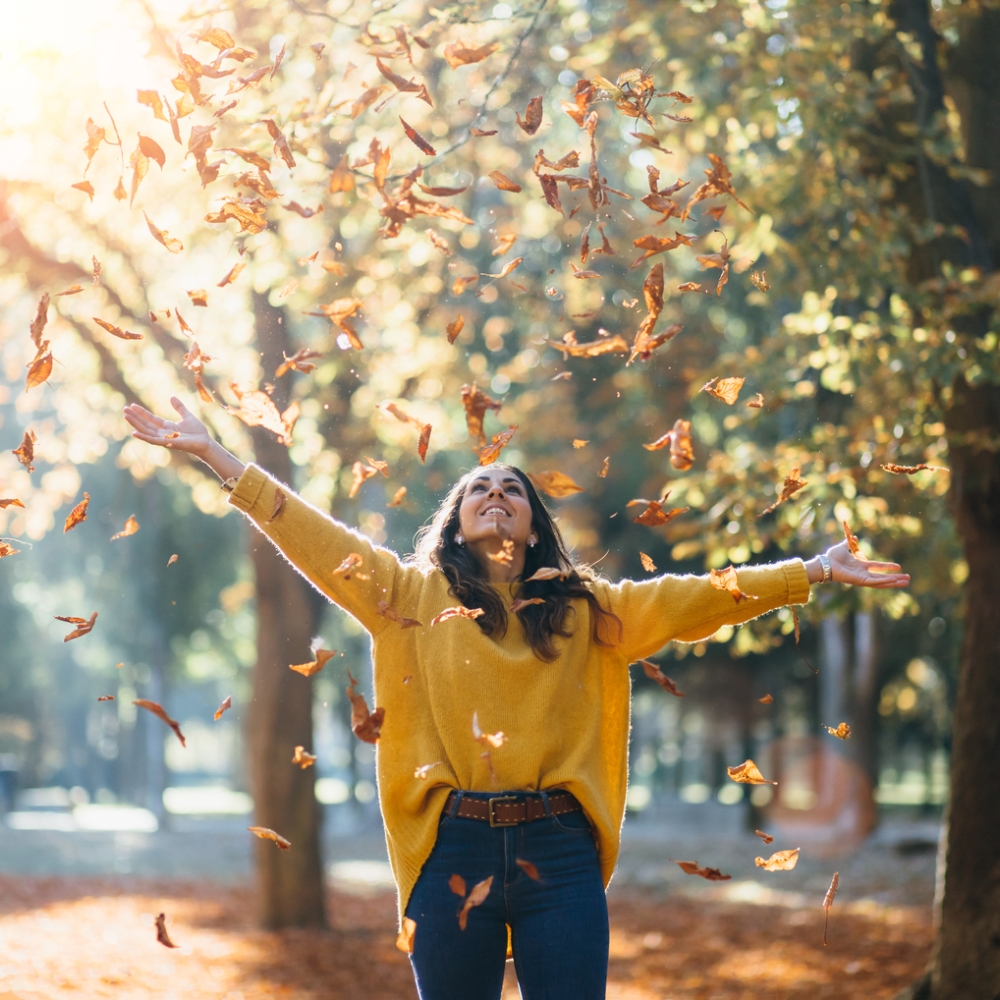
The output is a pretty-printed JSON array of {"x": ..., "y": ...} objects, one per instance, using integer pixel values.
[{"x": 511, "y": 810}]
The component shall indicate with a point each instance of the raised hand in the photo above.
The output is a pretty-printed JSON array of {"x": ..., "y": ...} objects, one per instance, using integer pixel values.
[
  {"x": 187, "y": 434},
  {"x": 848, "y": 568}
]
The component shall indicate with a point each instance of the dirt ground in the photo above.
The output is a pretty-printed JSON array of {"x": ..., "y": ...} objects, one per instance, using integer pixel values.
[{"x": 95, "y": 937}]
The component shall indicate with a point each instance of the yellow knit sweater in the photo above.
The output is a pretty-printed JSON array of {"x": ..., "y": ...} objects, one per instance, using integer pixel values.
[{"x": 566, "y": 723}]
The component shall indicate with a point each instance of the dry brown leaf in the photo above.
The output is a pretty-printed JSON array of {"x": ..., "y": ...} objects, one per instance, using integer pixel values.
[
  {"x": 532, "y": 116},
  {"x": 766, "y": 837},
  {"x": 106, "y": 697},
  {"x": 909, "y": 470},
  {"x": 780, "y": 861},
  {"x": 11, "y": 502},
  {"x": 267, "y": 834},
  {"x": 757, "y": 402},
  {"x": 726, "y": 579},
  {"x": 279, "y": 503},
  {"x": 654, "y": 516},
  {"x": 505, "y": 555},
  {"x": 524, "y": 602},
  {"x": 298, "y": 361},
  {"x": 654, "y": 673},
  {"x": 161, "y": 235},
  {"x": 456, "y": 612},
  {"x": 503, "y": 182},
  {"x": 509, "y": 267},
  {"x": 549, "y": 573},
  {"x": 83, "y": 625},
  {"x": 555, "y": 484},
  {"x": 77, "y": 514},
  {"x": 647, "y": 563},
  {"x": 367, "y": 726},
  {"x": 131, "y": 527},
  {"x": 227, "y": 703},
  {"x": 603, "y": 474},
  {"x": 719, "y": 181},
  {"x": 258, "y": 410},
  {"x": 281, "y": 147},
  {"x": 491, "y": 452},
  {"x": 528, "y": 868},
  {"x": 748, "y": 773},
  {"x": 693, "y": 868},
  {"x": 116, "y": 331},
  {"x": 759, "y": 280},
  {"x": 72, "y": 290},
  {"x": 423, "y": 770},
  {"x": 592, "y": 349},
  {"x": 361, "y": 473},
  {"x": 351, "y": 561},
  {"x": 439, "y": 242},
  {"x": 157, "y": 710},
  {"x": 161, "y": 931},
  {"x": 417, "y": 139},
  {"x": 476, "y": 403},
  {"x": 766, "y": 700},
  {"x": 86, "y": 187},
  {"x": 454, "y": 328},
  {"x": 198, "y": 297},
  {"x": 842, "y": 732},
  {"x": 457, "y": 885},
  {"x": 459, "y": 54},
  {"x": 828, "y": 902},
  {"x": 315, "y": 666},
  {"x": 40, "y": 368},
  {"x": 404, "y": 939},
  {"x": 397, "y": 497},
  {"x": 7, "y": 550},
  {"x": 482, "y": 132},
  {"x": 26, "y": 452},
  {"x": 790, "y": 487},
  {"x": 303, "y": 758},
  {"x": 492, "y": 741},
  {"x": 852, "y": 543},
  {"x": 304, "y": 211},
  {"x": 393, "y": 615},
  {"x": 726, "y": 389}
]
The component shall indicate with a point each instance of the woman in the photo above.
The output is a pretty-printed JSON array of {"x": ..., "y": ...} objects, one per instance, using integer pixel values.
[{"x": 503, "y": 756}]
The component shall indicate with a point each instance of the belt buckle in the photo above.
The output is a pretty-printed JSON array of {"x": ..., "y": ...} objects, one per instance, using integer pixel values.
[{"x": 494, "y": 822}]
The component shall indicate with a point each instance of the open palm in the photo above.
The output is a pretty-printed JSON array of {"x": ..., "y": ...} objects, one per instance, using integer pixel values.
[
  {"x": 187, "y": 434},
  {"x": 848, "y": 568}
]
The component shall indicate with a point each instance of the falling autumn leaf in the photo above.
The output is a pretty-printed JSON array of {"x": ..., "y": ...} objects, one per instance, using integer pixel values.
[
  {"x": 654, "y": 516},
  {"x": 790, "y": 487},
  {"x": 77, "y": 514},
  {"x": 528, "y": 868},
  {"x": 417, "y": 139},
  {"x": 157, "y": 710},
  {"x": 83, "y": 625},
  {"x": 40, "y": 367},
  {"x": 7, "y": 550},
  {"x": 131, "y": 527},
  {"x": 555, "y": 484},
  {"x": 454, "y": 328},
  {"x": 532, "y": 116},
  {"x": 86, "y": 187},
  {"x": 161, "y": 235},
  {"x": 226, "y": 704},
  {"x": 72, "y": 290},
  {"x": 653, "y": 672},
  {"x": 393, "y": 615},
  {"x": 231, "y": 275},
  {"x": 161, "y": 931},
  {"x": 489, "y": 454},
  {"x": 459, "y": 54},
  {"x": 766, "y": 837},
  {"x": 303, "y": 758},
  {"x": 404, "y": 939},
  {"x": 748, "y": 773},
  {"x": 780, "y": 861},
  {"x": 759, "y": 280},
  {"x": 26, "y": 452},
  {"x": 852, "y": 543},
  {"x": 725, "y": 579},
  {"x": 279, "y": 503},
  {"x": 492, "y": 741},
  {"x": 106, "y": 697},
  {"x": 726, "y": 389},
  {"x": 116, "y": 331},
  {"x": 909, "y": 470},
  {"x": 298, "y": 361},
  {"x": 457, "y": 885},
  {"x": 603, "y": 474},
  {"x": 647, "y": 563},
  {"x": 258, "y": 410},
  {"x": 456, "y": 612},
  {"x": 524, "y": 602},
  {"x": 10, "y": 502},
  {"x": 766, "y": 700},
  {"x": 593, "y": 349},
  {"x": 267, "y": 834},
  {"x": 842, "y": 732},
  {"x": 315, "y": 666},
  {"x": 397, "y": 497},
  {"x": 475, "y": 898},
  {"x": 459, "y": 285},
  {"x": 549, "y": 573},
  {"x": 503, "y": 182},
  {"x": 828, "y": 902},
  {"x": 367, "y": 726},
  {"x": 198, "y": 297},
  {"x": 693, "y": 868},
  {"x": 757, "y": 402}
]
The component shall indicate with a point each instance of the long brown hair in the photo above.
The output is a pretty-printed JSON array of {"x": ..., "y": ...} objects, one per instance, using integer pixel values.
[{"x": 436, "y": 548}]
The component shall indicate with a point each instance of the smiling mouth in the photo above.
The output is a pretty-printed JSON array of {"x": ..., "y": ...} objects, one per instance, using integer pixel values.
[{"x": 494, "y": 510}]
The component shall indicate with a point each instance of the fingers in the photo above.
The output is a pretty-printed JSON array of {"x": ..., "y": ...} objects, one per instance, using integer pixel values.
[
  {"x": 153, "y": 439},
  {"x": 885, "y": 566},
  {"x": 179, "y": 407}
]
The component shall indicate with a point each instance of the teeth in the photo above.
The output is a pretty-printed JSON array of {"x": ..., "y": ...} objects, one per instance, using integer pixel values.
[{"x": 495, "y": 510}]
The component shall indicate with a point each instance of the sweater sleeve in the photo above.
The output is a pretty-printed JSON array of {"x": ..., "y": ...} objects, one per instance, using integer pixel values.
[
  {"x": 317, "y": 545},
  {"x": 689, "y": 608}
]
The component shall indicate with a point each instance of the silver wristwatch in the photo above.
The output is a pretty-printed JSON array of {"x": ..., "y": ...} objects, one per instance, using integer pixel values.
[{"x": 824, "y": 561}]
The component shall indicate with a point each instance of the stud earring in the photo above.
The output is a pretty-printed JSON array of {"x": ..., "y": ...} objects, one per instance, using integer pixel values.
[
  {"x": 460, "y": 539},
  {"x": 532, "y": 542}
]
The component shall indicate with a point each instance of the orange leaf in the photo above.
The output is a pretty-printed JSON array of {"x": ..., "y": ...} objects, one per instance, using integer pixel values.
[
  {"x": 459, "y": 54},
  {"x": 83, "y": 625},
  {"x": 790, "y": 487},
  {"x": 225, "y": 706},
  {"x": 26, "y": 452},
  {"x": 161, "y": 931},
  {"x": 161, "y": 235},
  {"x": 366, "y": 725},
  {"x": 393, "y": 615},
  {"x": 654, "y": 673},
  {"x": 693, "y": 868},
  {"x": 157, "y": 710},
  {"x": 532, "y": 116},
  {"x": 528, "y": 868},
  {"x": 766, "y": 837},
  {"x": 726, "y": 389},
  {"x": 780, "y": 861},
  {"x": 267, "y": 834},
  {"x": 456, "y": 612},
  {"x": 116, "y": 331},
  {"x": 131, "y": 527},
  {"x": 302, "y": 758},
  {"x": 748, "y": 773},
  {"x": 417, "y": 139},
  {"x": 475, "y": 898},
  {"x": 647, "y": 563},
  {"x": 842, "y": 732},
  {"x": 77, "y": 514},
  {"x": 555, "y": 484},
  {"x": 491, "y": 452},
  {"x": 503, "y": 182},
  {"x": 315, "y": 666}
]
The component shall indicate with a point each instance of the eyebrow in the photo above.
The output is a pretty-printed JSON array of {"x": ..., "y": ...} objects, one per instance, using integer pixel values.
[{"x": 507, "y": 479}]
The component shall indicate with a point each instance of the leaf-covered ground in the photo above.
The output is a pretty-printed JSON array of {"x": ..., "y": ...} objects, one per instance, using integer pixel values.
[{"x": 96, "y": 938}]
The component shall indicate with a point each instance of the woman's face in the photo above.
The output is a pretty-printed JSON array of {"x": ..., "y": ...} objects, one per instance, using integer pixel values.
[{"x": 495, "y": 508}]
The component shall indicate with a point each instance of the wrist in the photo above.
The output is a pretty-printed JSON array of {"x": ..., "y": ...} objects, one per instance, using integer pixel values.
[{"x": 815, "y": 570}]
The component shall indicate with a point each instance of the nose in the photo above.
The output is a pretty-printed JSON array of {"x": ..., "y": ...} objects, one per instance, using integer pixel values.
[{"x": 497, "y": 492}]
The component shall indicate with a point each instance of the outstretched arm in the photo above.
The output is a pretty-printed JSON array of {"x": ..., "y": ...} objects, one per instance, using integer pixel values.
[
  {"x": 340, "y": 562},
  {"x": 690, "y": 608}
]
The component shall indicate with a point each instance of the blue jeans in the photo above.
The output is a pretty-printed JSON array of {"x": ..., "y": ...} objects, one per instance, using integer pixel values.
[{"x": 559, "y": 922}]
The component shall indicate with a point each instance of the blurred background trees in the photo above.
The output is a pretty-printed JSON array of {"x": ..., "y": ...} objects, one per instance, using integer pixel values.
[{"x": 859, "y": 136}]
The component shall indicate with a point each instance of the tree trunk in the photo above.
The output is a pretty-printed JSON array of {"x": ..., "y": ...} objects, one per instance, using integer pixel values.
[
  {"x": 967, "y": 957},
  {"x": 289, "y": 883}
]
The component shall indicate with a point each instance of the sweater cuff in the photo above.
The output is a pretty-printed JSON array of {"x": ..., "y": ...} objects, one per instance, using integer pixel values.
[
  {"x": 797, "y": 581},
  {"x": 248, "y": 487}
]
